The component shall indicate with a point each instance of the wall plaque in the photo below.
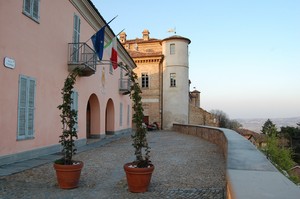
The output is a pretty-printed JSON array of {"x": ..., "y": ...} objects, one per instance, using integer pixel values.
[{"x": 9, "y": 62}]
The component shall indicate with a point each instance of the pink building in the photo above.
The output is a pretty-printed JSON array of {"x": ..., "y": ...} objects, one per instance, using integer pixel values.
[{"x": 40, "y": 42}]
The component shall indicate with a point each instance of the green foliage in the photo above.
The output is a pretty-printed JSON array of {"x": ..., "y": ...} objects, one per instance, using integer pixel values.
[
  {"x": 290, "y": 132},
  {"x": 269, "y": 128},
  {"x": 234, "y": 125},
  {"x": 140, "y": 134},
  {"x": 68, "y": 119},
  {"x": 293, "y": 135},
  {"x": 295, "y": 179},
  {"x": 279, "y": 155},
  {"x": 224, "y": 121}
]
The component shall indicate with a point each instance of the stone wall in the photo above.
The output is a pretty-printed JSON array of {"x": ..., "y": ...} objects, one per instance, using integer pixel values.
[
  {"x": 249, "y": 174},
  {"x": 199, "y": 116},
  {"x": 213, "y": 135}
]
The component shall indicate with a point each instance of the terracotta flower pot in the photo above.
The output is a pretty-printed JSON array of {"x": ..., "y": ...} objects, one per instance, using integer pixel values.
[
  {"x": 68, "y": 175},
  {"x": 138, "y": 179}
]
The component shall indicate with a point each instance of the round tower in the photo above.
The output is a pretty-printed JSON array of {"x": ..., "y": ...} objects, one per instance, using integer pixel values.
[{"x": 175, "y": 81}]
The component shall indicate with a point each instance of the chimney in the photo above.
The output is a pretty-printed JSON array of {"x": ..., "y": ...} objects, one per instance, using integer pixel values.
[
  {"x": 123, "y": 37},
  {"x": 146, "y": 35}
]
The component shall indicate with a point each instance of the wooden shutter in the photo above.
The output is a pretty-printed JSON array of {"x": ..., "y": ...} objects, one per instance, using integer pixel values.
[
  {"x": 74, "y": 97},
  {"x": 121, "y": 114},
  {"x": 31, "y": 102},
  {"x": 128, "y": 114},
  {"x": 26, "y": 6},
  {"x": 76, "y": 38},
  {"x": 76, "y": 34},
  {"x": 22, "y": 107},
  {"x": 35, "y": 9},
  {"x": 74, "y": 105},
  {"x": 26, "y": 106}
]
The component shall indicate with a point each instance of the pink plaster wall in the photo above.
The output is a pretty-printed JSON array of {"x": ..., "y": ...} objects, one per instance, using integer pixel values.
[{"x": 40, "y": 51}]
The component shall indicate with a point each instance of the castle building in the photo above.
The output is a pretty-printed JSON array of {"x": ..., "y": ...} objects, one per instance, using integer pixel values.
[
  {"x": 163, "y": 71},
  {"x": 38, "y": 49}
]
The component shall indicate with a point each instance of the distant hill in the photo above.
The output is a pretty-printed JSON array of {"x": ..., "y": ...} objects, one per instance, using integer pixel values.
[{"x": 256, "y": 124}]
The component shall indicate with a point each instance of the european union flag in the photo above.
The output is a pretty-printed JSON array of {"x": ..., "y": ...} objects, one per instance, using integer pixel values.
[{"x": 98, "y": 42}]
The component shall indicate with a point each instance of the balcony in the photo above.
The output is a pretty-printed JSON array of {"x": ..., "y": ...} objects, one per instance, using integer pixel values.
[
  {"x": 82, "y": 56},
  {"x": 124, "y": 86}
]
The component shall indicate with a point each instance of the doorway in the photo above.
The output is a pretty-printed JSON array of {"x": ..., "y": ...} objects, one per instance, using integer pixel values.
[{"x": 93, "y": 118}]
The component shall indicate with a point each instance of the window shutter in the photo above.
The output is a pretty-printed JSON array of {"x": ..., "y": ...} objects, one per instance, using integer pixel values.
[
  {"x": 74, "y": 105},
  {"x": 75, "y": 100},
  {"x": 121, "y": 114},
  {"x": 26, "y": 106},
  {"x": 128, "y": 114},
  {"x": 22, "y": 106},
  {"x": 76, "y": 33},
  {"x": 26, "y": 6},
  {"x": 35, "y": 9},
  {"x": 76, "y": 37},
  {"x": 111, "y": 68},
  {"x": 31, "y": 105}
]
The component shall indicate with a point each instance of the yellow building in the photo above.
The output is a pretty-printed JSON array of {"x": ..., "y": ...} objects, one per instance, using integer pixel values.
[{"x": 163, "y": 71}]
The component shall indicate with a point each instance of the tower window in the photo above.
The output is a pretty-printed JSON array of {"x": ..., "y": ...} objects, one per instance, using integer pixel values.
[
  {"x": 145, "y": 80},
  {"x": 173, "y": 79},
  {"x": 172, "y": 49}
]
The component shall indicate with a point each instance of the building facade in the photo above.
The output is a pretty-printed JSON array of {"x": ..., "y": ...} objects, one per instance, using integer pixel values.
[
  {"x": 40, "y": 43},
  {"x": 163, "y": 71}
]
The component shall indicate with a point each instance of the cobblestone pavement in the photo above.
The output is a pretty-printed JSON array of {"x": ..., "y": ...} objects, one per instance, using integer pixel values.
[{"x": 185, "y": 167}]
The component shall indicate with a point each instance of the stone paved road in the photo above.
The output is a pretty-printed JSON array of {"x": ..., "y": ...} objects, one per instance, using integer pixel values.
[{"x": 185, "y": 167}]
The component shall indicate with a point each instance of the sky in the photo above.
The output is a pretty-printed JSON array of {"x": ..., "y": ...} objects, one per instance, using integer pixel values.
[{"x": 244, "y": 55}]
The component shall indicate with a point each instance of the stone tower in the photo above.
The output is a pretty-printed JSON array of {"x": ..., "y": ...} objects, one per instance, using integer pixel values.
[
  {"x": 163, "y": 74},
  {"x": 175, "y": 81}
]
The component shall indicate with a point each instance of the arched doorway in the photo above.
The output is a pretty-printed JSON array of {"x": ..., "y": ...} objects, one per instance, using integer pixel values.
[
  {"x": 93, "y": 118},
  {"x": 110, "y": 118}
]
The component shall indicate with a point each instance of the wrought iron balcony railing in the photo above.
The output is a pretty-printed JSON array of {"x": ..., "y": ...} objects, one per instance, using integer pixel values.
[
  {"x": 83, "y": 56},
  {"x": 124, "y": 86}
]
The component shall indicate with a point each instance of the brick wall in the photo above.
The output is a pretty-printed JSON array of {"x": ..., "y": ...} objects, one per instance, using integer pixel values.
[{"x": 199, "y": 116}]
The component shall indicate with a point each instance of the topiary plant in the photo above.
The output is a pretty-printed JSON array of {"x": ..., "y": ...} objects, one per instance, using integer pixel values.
[
  {"x": 68, "y": 120},
  {"x": 139, "y": 136}
]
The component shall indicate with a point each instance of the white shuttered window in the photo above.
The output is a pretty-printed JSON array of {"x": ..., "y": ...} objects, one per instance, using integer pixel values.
[{"x": 26, "y": 106}]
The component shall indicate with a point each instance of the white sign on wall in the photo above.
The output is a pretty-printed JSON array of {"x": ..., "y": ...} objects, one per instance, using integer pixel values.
[{"x": 9, "y": 62}]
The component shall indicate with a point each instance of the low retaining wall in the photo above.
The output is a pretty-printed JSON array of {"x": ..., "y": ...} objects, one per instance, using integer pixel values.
[{"x": 249, "y": 173}]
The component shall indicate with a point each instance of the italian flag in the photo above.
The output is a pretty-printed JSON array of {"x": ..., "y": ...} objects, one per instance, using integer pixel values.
[{"x": 112, "y": 52}]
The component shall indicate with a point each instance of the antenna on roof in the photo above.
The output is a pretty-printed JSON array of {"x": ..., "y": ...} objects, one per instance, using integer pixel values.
[{"x": 172, "y": 30}]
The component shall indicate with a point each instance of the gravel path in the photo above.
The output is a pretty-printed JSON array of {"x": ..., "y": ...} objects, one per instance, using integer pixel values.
[{"x": 185, "y": 167}]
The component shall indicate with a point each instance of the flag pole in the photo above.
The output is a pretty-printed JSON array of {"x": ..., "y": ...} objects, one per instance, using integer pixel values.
[
  {"x": 111, "y": 20},
  {"x": 112, "y": 38},
  {"x": 102, "y": 27},
  {"x": 120, "y": 32}
]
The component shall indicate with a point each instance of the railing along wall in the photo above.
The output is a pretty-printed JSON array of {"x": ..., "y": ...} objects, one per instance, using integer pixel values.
[{"x": 249, "y": 174}]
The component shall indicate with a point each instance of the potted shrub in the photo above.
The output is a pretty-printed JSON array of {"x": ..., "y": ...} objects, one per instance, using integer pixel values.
[
  {"x": 138, "y": 172},
  {"x": 68, "y": 170}
]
